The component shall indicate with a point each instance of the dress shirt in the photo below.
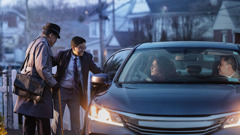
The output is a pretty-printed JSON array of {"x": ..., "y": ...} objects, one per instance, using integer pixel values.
[{"x": 67, "y": 80}]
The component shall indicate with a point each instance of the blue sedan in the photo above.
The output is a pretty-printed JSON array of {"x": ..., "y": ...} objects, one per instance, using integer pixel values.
[{"x": 173, "y": 88}]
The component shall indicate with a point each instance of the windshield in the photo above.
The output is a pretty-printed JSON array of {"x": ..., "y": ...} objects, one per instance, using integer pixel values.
[{"x": 181, "y": 65}]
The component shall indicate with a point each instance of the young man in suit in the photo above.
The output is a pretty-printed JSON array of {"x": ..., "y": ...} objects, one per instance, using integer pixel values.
[{"x": 73, "y": 66}]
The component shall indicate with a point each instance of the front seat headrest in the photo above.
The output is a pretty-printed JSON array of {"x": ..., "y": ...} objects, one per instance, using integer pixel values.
[{"x": 194, "y": 69}]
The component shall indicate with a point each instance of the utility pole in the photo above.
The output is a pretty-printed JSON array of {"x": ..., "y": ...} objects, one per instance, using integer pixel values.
[
  {"x": 1, "y": 31},
  {"x": 27, "y": 21},
  {"x": 113, "y": 12},
  {"x": 102, "y": 47}
]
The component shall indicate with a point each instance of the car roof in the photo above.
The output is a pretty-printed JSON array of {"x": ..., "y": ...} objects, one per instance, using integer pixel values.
[
  {"x": 190, "y": 44},
  {"x": 124, "y": 49}
]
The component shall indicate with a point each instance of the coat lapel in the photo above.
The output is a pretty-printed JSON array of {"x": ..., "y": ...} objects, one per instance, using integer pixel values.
[
  {"x": 84, "y": 70},
  {"x": 67, "y": 58},
  {"x": 83, "y": 64}
]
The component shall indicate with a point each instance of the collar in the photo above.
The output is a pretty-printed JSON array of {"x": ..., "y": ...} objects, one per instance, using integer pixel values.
[
  {"x": 232, "y": 75},
  {"x": 45, "y": 38},
  {"x": 74, "y": 56}
]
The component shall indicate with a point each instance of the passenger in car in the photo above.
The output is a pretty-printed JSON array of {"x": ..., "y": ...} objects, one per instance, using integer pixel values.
[
  {"x": 228, "y": 67},
  {"x": 162, "y": 69},
  {"x": 215, "y": 70}
]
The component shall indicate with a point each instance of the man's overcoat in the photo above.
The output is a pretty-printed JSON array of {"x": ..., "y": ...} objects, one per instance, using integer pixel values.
[{"x": 39, "y": 65}]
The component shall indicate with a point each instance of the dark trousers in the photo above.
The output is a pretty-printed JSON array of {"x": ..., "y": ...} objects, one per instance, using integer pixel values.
[{"x": 30, "y": 123}]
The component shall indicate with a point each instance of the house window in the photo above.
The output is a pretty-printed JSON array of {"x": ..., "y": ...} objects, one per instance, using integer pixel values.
[
  {"x": 95, "y": 55},
  {"x": 224, "y": 36},
  {"x": 12, "y": 22},
  {"x": 94, "y": 29},
  {"x": 237, "y": 38}
]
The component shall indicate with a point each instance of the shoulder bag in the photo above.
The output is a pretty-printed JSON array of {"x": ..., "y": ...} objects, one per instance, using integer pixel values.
[{"x": 27, "y": 85}]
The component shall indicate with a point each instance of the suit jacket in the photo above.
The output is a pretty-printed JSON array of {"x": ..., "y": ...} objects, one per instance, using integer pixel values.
[
  {"x": 62, "y": 60},
  {"x": 39, "y": 65}
]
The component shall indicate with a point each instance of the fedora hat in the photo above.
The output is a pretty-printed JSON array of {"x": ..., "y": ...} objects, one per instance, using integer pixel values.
[{"x": 53, "y": 27}]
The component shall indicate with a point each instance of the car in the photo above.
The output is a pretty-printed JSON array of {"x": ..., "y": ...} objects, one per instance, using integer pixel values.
[
  {"x": 114, "y": 61},
  {"x": 111, "y": 66},
  {"x": 175, "y": 87}
]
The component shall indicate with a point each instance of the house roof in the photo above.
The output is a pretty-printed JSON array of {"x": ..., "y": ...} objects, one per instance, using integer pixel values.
[
  {"x": 233, "y": 8},
  {"x": 179, "y": 6},
  {"x": 13, "y": 11},
  {"x": 140, "y": 7},
  {"x": 12, "y": 16},
  {"x": 228, "y": 16},
  {"x": 127, "y": 39}
]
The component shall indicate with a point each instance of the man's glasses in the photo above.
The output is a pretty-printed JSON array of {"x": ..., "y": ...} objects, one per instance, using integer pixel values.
[{"x": 82, "y": 47}]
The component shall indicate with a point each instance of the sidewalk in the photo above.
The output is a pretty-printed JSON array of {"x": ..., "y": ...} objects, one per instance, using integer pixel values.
[{"x": 19, "y": 132}]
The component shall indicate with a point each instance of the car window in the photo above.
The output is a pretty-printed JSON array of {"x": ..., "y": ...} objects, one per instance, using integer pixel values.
[
  {"x": 179, "y": 66},
  {"x": 113, "y": 63},
  {"x": 107, "y": 64}
]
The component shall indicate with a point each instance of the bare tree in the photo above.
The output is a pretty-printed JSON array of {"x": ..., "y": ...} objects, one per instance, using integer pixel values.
[
  {"x": 175, "y": 26},
  {"x": 188, "y": 25}
]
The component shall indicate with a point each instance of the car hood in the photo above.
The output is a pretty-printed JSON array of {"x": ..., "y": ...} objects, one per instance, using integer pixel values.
[{"x": 172, "y": 99}]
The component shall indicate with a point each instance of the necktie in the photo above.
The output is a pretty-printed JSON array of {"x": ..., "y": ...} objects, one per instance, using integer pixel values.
[{"x": 76, "y": 82}]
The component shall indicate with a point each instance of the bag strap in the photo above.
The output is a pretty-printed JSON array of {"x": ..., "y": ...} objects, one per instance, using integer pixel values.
[{"x": 27, "y": 57}]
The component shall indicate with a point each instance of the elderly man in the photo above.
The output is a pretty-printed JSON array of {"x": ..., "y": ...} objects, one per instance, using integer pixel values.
[
  {"x": 228, "y": 67},
  {"x": 39, "y": 64}
]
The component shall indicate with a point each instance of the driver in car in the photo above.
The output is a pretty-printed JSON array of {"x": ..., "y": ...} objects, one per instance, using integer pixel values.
[{"x": 228, "y": 67}]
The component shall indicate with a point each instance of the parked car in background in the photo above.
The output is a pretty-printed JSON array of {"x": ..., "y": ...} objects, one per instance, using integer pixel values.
[{"x": 168, "y": 88}]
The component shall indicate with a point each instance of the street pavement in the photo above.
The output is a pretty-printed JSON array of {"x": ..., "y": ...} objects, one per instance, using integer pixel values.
[{"x": 19, "y": 132}]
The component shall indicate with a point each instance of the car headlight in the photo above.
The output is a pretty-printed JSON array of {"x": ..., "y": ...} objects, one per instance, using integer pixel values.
[
  {"x": 101, "y": 114},
  {"x": 232, "y": 121}
]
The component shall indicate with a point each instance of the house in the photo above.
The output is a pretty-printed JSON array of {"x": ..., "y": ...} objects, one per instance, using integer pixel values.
[
  {"x": 123, "y": 35},
  {"x": 137, "y": 21},
  {"x": 117, "y": 29},
  {"x": 227, "y": 24},
  {"x": 12, "y": 28},
  {"x": 171, "y": 20}
]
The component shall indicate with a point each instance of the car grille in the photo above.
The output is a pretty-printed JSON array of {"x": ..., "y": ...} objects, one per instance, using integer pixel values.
[
  {"x": 173, "y": 125},
  {"x": 184, "y": 131}
]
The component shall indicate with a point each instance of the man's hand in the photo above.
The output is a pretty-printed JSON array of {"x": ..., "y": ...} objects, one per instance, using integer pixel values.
[{"x": 56, "y": 87}]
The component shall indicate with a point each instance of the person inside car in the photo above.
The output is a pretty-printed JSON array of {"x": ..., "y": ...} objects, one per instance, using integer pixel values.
[
  {"x": 162, "y": 69},
  {"x": 228, "y": 67},
  {"x": 215, "y": 70}
]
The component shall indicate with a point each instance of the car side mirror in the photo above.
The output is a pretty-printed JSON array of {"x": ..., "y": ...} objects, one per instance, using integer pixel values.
[{"x": 99, "y": 83}]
